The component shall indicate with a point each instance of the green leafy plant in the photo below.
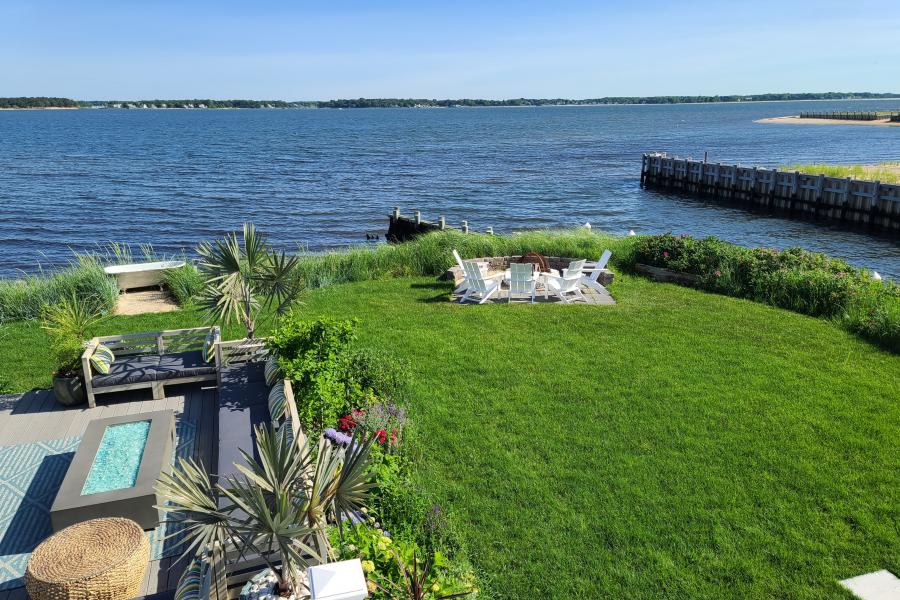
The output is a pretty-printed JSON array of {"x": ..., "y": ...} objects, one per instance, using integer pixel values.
[
  {"x": 398, "y": 569},
  {"x": 68, "y": 324},
  {"x": 329, "y": 374},
  {"x": 279, "y": 505},
  {"x": 245, "y": 277}
]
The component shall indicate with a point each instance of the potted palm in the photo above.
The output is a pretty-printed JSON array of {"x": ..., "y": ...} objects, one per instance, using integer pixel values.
[
  {"x": 277, "y": 507},
  {"x": 68, "y": 323}
]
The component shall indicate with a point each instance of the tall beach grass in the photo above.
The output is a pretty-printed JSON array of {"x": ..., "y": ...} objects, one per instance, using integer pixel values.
[
  {"x": 83, "y": 278},
  {"x": 431, "y": 254}
]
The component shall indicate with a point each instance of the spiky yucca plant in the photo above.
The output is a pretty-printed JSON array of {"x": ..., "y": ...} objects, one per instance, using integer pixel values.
[
  {"x": 243, "y": 276},
  {"x": 278, "y": 506}
]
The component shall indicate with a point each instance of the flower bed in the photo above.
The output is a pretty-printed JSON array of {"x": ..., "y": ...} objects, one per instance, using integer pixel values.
[
  {"x": 795, "y": 279},
  {"x": 343, "y": 391}
]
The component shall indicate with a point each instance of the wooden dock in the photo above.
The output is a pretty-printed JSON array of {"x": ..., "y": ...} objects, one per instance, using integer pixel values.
[{"x": 869, "y": 204}]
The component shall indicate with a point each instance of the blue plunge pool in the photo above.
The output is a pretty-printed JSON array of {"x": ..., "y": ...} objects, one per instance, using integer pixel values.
[{"x": 118, "y": 458}]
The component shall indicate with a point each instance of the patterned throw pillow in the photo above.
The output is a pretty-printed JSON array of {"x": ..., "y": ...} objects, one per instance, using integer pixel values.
[
  {"x": 272, "y": 371},
  {"x": 277, "y": 401},
  {"x": 102, "y": 358},
  {"x": 208, "y": 348},
  {"x": 190, "y": 583}
]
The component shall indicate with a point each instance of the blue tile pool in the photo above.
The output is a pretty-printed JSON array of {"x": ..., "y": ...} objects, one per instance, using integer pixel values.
[{"x": 118, "y": 458}]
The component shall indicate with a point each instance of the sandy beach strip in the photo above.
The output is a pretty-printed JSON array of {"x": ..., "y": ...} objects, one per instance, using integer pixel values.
[{"x": 796, "y": 120}]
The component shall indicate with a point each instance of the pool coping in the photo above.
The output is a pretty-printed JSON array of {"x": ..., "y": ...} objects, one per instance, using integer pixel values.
[{"x": 136, "y": 502}]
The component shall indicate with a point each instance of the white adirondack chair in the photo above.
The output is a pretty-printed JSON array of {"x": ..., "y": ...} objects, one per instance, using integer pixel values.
[
  {"x": 569, "y": 283},
  {"x": 590, "y": 275},
  {"x": 522, "y": 281},
  {"x": 478, "y": 286},
  {"x": 483, "y": 266}
]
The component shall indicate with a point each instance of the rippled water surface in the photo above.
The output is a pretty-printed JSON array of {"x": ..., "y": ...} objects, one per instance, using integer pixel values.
[{"x": 323, "y": 178}]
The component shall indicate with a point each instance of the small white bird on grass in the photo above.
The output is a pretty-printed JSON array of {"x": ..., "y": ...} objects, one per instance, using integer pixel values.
[
  {"x": 631, "y": 232},
  {"x": 876, "y": 275},
  {"x": 587, "y": 225}
]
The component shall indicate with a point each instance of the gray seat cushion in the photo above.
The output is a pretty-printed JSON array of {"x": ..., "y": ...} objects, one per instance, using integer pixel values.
[
  {"x": 129, "y": 369},
  {"x": 242, "y": 406},
  {"x": 183, "y": 364}
]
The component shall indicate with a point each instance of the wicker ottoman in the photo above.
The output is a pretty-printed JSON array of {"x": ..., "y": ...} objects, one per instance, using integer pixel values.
[{"x": 102, "y": 559}]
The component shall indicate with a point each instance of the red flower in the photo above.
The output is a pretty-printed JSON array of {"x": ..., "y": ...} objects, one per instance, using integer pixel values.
[
  {"x": 718, "y": 273},
  {"x": 347, "y": 423},
  {"x": 381, "y": 435},
  {"x": 665, "y": 254}
]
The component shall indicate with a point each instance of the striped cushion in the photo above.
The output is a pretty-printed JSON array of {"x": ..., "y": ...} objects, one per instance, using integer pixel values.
[
  {"x": 190, "y": 583},
  {"x": 272, "y": 371},
  {"x": 277, "y": 401},
  {"x": 208, "y": 349},
  {"x": 288, "y": 429},
  {"x": 102, "y": 358}
]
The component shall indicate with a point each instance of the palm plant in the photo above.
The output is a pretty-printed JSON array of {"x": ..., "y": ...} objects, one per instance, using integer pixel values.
[
  {"x": 278, "y": 507},
  {"x": 69, "y": 323},
  {"x": 241, "y": 277}
]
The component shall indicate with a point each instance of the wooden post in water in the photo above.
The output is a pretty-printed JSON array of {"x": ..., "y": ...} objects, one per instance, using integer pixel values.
[
  {"x": 465, "y": 227},
  {"x": 418, "y": 217},
  {"x": 442, "y": 222}
]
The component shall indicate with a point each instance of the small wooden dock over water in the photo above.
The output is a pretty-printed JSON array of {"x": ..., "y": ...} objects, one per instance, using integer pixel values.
[{"x": 869, "y": 204}]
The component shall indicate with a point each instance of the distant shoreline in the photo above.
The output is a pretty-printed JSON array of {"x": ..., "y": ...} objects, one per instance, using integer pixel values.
[
  {"x": 49, "y": 103},
  {"x": 796, "y": 120}
]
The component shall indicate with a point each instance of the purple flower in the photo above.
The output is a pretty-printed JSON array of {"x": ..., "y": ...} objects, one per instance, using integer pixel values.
[{"x": 336, "y": 437}]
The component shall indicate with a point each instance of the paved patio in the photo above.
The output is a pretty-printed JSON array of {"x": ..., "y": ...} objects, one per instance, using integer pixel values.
[{"x": 35, "y": 417}]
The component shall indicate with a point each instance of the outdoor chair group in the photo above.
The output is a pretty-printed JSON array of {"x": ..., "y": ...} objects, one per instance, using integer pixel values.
[{"x": 523, "y": 280}]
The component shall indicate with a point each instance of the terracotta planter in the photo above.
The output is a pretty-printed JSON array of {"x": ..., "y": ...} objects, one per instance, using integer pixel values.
[{"x": 69, "y": 390}]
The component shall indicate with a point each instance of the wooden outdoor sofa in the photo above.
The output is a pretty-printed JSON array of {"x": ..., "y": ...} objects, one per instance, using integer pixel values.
[{"x": 149, "y": 359}]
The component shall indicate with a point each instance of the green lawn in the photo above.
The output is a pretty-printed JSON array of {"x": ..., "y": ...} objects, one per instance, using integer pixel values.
[{"x": 677, "y": 445}]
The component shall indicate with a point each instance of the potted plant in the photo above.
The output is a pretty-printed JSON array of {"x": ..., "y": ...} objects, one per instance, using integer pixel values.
[
  {"x": 277, "y": 506},
  {"x": 68, "y": 323}
]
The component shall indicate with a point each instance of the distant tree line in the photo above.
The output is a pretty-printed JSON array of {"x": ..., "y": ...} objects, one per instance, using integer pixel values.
[
  {"x": 43, "y": 102},
  {"x": 39, "y": 102},
  {"x": 425, "y": 102}
]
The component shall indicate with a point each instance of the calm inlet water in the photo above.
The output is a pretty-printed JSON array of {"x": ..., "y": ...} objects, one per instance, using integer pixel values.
[{"x": 323, "y": 178}]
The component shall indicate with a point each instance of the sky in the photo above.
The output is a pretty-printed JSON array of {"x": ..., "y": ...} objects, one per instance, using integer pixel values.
[{"x": 300, "y": 50}]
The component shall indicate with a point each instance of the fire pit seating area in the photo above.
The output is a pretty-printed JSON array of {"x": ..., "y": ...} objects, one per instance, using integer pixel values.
[
  {"x": 594, "y": 276},
  {"x": 151, "y": 359}
]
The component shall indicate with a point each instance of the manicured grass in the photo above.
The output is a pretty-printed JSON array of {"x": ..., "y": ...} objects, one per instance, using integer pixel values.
[{"x": 677, "y": 445}]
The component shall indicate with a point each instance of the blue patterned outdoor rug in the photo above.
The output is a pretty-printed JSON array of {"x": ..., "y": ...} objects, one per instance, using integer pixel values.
[{"x": 30, "y": 476}]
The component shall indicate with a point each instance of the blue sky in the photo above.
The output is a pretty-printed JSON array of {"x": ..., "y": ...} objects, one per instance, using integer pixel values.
[{"x": 449, "y": 49}]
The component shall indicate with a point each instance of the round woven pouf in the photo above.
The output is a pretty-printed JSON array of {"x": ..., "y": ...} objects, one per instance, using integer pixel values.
[{"x": 102, "y": 559}]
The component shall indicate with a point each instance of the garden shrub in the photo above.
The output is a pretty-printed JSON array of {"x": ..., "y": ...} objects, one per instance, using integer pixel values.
[
  {"x": 388, "y": 562},
  {"x": 810, "y": 283},
  {"x": 329, "y": 375}
]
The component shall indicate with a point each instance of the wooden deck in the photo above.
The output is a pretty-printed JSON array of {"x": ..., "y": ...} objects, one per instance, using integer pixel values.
[{"x": 35, "y": 416}]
